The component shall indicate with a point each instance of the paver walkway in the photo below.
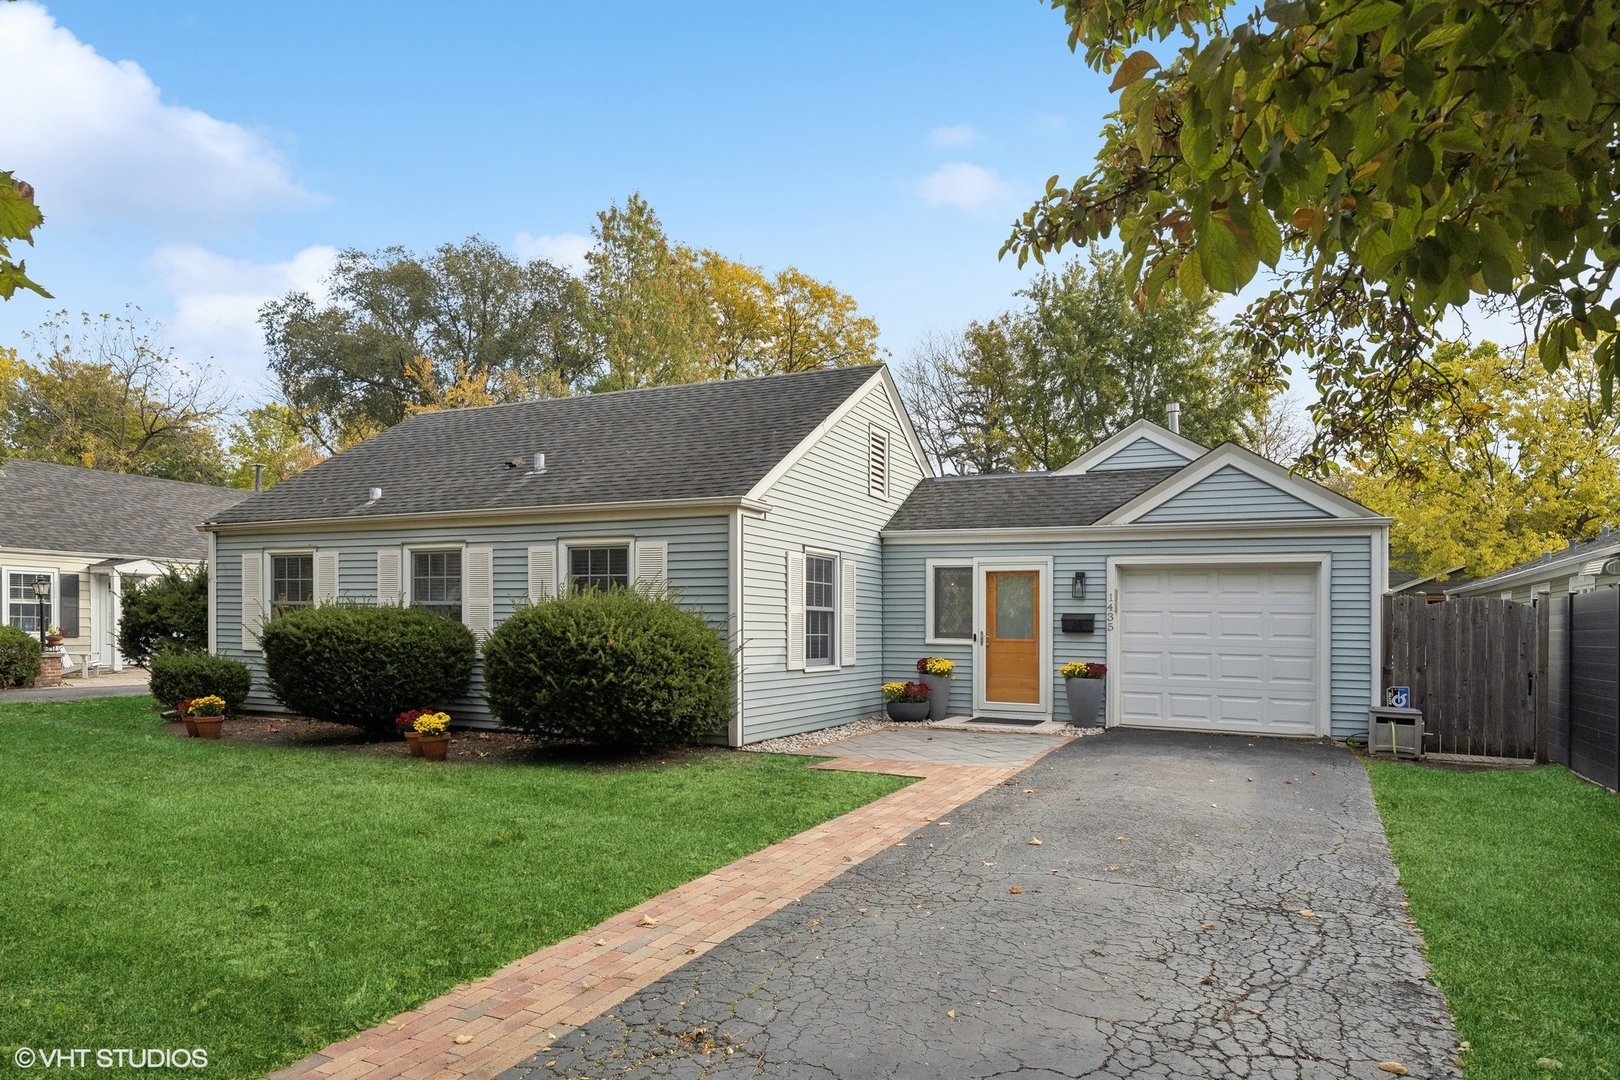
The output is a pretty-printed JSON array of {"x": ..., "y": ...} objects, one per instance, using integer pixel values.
[
  {"x": 479, "y": 1029},
  {"x": 1198, "y": 906}
]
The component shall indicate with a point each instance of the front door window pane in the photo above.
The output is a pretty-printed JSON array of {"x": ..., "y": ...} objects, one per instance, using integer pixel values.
[
  {"x": 818, "y": 609},
  {"x": 22, "y": 609},
  {"x": 1015, "y": 607},
  {"x": 599, "y": 567},
  {"x": 436, "y": 582},
  {"x": 292, "y": 581},
  {"x": 953, "y": 602}
]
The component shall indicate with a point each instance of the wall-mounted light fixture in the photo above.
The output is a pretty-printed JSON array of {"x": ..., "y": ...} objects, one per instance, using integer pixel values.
[{"x": 1078, "y": 589}]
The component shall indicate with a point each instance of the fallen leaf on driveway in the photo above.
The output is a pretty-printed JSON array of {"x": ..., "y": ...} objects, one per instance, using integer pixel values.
[
  {"x": 1392, "y": 1067},
  {"x": 861, "y": 910},
  {"x": 989, "y": 864},
  {"x": 1212, "y": 806},
  {"x": 951, "y": 1014},
  {"x": 1307, "y": 913},
  {"x": 1015, "y": 890},
  {"x": 1110, "y": 868},
  {"x": 463, "y": 1040},
  {"x": 646, "y": 920},
  {"x": 1034, "y": 841},
  {"x": 1029, "y": 791},
  {"x": 1206, "y": 980},
  {"x": 1251, "y": 779},
  {"x": 600, "y": 942},
  {"x": 691, "y": 952},
  {"x": 1209, "y": 926},
  {"x": 1119, "y": 839}
]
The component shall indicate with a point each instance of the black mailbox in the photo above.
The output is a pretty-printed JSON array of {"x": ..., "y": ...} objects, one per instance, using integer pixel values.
[{"x": 1079, "y": 624}]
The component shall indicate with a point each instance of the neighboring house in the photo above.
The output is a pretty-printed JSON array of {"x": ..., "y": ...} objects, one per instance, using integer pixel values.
[
  {"x": 87, "y": 532},
  {"x": 799, "y": 514},
  {"x": 1581, "y": 567},
  {"x": 1431, "y": 587}
]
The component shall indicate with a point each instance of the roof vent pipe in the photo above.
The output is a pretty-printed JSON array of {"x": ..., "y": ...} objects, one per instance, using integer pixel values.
[
  {"x": 258, "y": 477},
  {"x": 539, "y": 463},
  {"x": 372, "y": 495},
  {"x": 1172, "y": 413}
]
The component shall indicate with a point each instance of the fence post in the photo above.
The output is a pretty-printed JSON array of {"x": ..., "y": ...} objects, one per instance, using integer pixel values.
[{"x": 1543, "y": 611}]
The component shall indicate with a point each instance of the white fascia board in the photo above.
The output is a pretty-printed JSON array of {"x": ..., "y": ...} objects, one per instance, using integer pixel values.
[
  {"x": 1268, "y": 472},
  {"x": 103, "y": 556},
  {"x": 660, "y": 508},
  {"x": 1141, "y": 429},
  {"x": 1194, "y": 530},
  {"x": 881, "y": 375}
]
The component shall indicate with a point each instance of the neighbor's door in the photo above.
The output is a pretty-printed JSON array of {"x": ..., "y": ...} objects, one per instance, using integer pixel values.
[{"x": 1012, "y": 642}]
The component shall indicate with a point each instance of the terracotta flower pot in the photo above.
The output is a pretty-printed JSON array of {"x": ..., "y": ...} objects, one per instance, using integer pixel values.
[
  {"x": 53, "y": 639},
  {"x": 207, "y": 726},
  {"x": 191, "y": 726},
  {"x": 434, "y": 747},
  {"x": 413, "y": 739}
]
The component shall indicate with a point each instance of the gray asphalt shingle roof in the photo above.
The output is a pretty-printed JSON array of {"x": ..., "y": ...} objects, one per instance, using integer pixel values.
[
  {"x": 1021, "y": 500},
  {"x": 46, "y": 507},
  {"x": 701, "y": 440}
]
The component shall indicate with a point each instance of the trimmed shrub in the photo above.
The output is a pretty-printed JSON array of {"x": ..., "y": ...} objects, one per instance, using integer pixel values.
[
  {"x": 178, "y": 674},
  {"x": 19, "y": 657},
  {"x": 168, "y": 611},
  {"x": 616, "y": 668},
  {"x": 365, "y": 665}
]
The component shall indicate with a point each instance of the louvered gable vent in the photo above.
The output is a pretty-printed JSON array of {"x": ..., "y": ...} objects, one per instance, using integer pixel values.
[{"x": 877, "y": 464}]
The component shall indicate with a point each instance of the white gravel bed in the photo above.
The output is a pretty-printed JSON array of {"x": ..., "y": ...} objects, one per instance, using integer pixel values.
[{"x": 809, "y": 740}]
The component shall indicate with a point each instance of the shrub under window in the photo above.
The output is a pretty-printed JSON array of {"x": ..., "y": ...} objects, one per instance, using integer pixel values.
[
  {"x": 19, "y": 657},
  {"x": 365, "y": 665},
  {"x": 612, "y": 668},
  {"x": 178, "y": 675}
]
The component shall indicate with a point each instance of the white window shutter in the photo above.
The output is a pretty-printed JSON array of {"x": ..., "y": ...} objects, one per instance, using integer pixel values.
[
  {"x": 652, "y": 564},
  {"x": 846, "y": 614},
  {"x": 795, "y": 610},
  {"x": 542, "y": 573},
  {"x": 478, "y": 605},
  {"x": 252, "y": 599},
  {"x": 326, "y": 577},
  {"x": 390, "y": 586}
]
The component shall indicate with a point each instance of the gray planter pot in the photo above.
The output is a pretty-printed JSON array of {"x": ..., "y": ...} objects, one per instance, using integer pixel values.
[
  {"x": 908, "y": 711},
  {"x": 1085, "y": 701},
  {"x": 939, "y": 695}
]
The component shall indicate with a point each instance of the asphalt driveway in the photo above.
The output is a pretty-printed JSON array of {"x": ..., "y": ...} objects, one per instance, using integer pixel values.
[{"x": 1198, "y": 906}]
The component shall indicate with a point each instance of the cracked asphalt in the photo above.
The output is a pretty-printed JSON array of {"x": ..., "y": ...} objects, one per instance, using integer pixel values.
[{"x": 1198, "y": 906}]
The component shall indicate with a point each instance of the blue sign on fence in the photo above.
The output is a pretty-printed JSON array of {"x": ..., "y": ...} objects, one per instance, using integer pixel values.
[{"x": 1398, "y": 697}]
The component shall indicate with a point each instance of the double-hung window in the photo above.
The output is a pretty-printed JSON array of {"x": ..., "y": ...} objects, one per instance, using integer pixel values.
[
  {"x": 23, "y": 609},
  {"x": 603, "y": 567},
  {"x": 292, "y": 582},
  {"x": 820, "y": 608},
  {"x": 436, "y": 582}
]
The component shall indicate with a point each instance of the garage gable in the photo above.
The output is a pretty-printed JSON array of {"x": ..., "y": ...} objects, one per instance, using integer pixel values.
[
  {"x": 1230, "y": 494},
  {"x": 1231, "y": 484}
]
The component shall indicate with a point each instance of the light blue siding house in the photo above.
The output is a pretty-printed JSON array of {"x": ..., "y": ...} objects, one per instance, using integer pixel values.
[{"x": 799, "y": 514}]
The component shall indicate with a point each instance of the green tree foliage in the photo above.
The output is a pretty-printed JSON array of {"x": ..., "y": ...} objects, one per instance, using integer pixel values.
[
  {"x": 1037, "y": 387},
  {"x": 166, "y": 612},
  {"x": 467, "y": 324},
  {"x": 1514, "y": 463},
  {"x": 19, "y": 217},
  {"x": 105, "y": 393},
  {"x": 1391, "y": 160},
  {"x": 269, "y": 435}
]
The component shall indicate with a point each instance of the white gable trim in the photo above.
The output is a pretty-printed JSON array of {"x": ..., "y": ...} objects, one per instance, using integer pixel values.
[
  {"x": 805, "y": 444},
  {"x": 1234, "y": 456},
  {"x": 1142, "y": 429}
]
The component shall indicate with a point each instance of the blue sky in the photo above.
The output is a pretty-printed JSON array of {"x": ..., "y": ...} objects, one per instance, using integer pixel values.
[{"x": 198, "y": 158}]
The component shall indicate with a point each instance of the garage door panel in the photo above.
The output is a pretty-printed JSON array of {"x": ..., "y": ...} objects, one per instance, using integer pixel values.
[{"x": 1231, "y": 649}]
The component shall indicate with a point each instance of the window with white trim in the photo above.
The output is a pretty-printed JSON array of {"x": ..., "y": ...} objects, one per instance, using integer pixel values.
[
  {"x": 877, "y": 463},
  {"x": 436, "y": 581},
  {"x": 950, "y": 601},
  {"x": 599, "y": 566},
  {"x": 820, "y": 609},
  {"x": 292, "y": 581},
  {"x": 23, "y": 609}
]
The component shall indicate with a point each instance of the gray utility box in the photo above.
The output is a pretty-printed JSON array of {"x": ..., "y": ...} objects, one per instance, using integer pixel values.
[{"x": 1398, "y": 732}]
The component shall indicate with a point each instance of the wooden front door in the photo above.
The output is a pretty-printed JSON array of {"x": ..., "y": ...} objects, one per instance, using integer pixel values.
[{"x": 1012, "y": 645}]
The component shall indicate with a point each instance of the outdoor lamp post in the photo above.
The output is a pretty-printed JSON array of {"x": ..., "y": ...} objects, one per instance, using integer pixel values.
[{"x": 42, "y": 595}]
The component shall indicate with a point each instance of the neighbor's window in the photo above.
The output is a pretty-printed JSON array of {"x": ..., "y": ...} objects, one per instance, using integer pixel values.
[
  {"x": 22, "y": 610},
  {"x": 953, "y": 603},
  {"x": 436, "y": 582},
  {"x": 819, "y": 593},
  {"x": 292, "y": 581},
  {"x": 599, "y": 567}
]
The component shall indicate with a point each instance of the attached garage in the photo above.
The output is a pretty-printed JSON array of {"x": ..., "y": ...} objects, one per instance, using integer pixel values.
[{"x": 1215, "y": 643}]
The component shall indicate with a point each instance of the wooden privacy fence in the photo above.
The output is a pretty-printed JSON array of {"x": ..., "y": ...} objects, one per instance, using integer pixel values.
[{"x": 1469, "y": 663}]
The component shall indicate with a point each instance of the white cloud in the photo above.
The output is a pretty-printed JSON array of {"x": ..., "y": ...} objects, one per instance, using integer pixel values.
[
  {"x": 957, "y": 136},
  {"x": 967, "y": 187},
  {"x": 217, "y": 300},
  {"x": 96, "y": 140},
  {"x": 565, "y": 249}
]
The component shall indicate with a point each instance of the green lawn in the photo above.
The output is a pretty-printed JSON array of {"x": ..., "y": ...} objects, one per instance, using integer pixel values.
[
  {"x": 263, "y": 902},
  {"x": 1514, "y": 877}
]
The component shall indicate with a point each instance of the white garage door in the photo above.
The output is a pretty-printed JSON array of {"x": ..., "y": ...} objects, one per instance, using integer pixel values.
[{"x": 1219, "y": 648}]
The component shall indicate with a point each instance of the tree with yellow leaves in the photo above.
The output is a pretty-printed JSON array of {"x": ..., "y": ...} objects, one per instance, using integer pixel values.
[{"x": 1515, "y": 463}]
